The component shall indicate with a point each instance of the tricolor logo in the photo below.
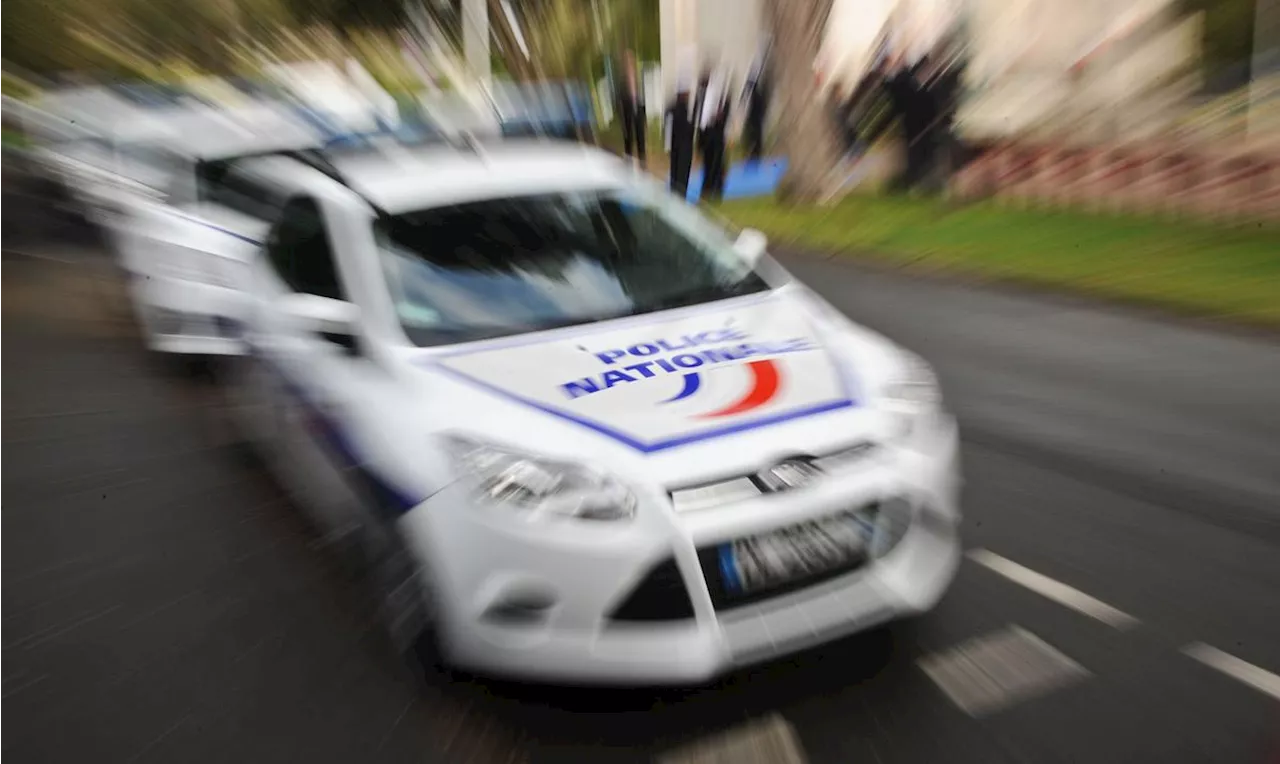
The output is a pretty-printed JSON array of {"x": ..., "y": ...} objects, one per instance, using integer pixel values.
[
  {"x": 668, "y": 383},
  {"x": 658, "y": 363}
]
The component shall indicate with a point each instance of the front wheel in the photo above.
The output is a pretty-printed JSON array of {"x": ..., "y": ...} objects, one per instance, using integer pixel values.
[
  {"x": 251, "y": 409},
  {"x": 407, "y": 610}
]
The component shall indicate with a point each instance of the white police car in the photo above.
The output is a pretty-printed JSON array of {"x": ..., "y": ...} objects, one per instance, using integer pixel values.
[
  {"x": 184, "y": 245},
  {"x": 584, "y": 434},
  {"x": 159, "y": 181}
]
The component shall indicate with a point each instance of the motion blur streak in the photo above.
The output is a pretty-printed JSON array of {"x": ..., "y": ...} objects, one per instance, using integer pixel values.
[{"x": 1042, "y": 240}]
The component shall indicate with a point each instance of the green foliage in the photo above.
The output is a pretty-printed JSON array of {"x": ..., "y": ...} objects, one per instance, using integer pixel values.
[
  {"x": 140, "y": 38},
  {"x": 115, "y": 36},
  {"x": 635, "y": 25},
  {"x": 563, "y": 33},
  {"x": 346, "y": 14},
  {"x": 1229, "y": 272}
]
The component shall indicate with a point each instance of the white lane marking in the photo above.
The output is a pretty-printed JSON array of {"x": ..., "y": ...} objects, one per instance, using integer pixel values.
[
  {"x": 998, "y": 670},
  {"x": 771, "y": 740},
  {"x": 1243, "y": 671},
  {"x": 1054, "y": 590}
]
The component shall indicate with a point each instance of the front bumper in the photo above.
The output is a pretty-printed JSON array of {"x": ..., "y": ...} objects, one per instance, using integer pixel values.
[{"x": 486, "y": 566}]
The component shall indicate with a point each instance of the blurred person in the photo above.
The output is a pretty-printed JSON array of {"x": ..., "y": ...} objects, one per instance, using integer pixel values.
[
  {"x": 678, "y": 132},
  {"x": 944, "y": 84},
  {"x": 755, "y": 102},
  {"x": 699, "y": 104},
  {"x": 869, "y": 111},
  {"x": 631, "y": 109},
  {"x": 914, "y": 108},
  {"x": 844, "y": 111},
  {"x": 700, "y": 95},
  {"x": 713, "y": 123}
]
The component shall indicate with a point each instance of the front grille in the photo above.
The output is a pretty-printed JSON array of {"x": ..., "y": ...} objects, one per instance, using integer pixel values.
[
  {"x": 661, "y": 595},
  {"x": 735, "y": 488}
]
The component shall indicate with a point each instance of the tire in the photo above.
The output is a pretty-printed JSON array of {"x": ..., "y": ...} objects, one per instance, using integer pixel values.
[
  {"x": 248, "y": 417},
  {"x": 404, "y": 603},
  {"x": 372, "y": 551}
]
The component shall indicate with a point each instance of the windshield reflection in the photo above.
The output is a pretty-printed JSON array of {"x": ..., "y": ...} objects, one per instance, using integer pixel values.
[{"x": 507, "y": 266}]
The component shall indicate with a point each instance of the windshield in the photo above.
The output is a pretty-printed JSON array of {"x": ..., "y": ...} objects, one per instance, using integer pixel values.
[{"x": 507, "y": 266}]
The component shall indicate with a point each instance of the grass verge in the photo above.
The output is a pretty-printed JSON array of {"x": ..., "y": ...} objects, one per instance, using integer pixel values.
[{"x": 1211, "y": 270}]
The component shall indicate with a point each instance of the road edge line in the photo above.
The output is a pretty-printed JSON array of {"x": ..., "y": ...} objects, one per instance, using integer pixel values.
[
  {"x": 1241, "y": 670},
  {"x": 1055, "y": 590}
]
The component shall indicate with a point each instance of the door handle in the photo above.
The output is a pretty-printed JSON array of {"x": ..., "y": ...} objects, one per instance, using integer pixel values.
[{"x": 348, "y": 342}]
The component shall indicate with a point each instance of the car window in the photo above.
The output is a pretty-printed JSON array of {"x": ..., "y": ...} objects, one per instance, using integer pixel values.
[
  {"x": 300, "y": 252},
  {"x": 513, "y": 265},
  {"x": 220, "y": 184},
  {"x": 150, "y": 165}
]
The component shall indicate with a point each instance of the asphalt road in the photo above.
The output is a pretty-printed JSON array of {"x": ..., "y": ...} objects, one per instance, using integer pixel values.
[{"x": 162, "y": 602}]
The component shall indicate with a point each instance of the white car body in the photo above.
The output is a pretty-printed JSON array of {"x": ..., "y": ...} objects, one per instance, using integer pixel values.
[
  {"x": 361, "y": 430},
  {"x": 137, "y": 171}
]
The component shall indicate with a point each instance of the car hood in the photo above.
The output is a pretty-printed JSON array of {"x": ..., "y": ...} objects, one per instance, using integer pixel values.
[{"x": 688, "y": 393}]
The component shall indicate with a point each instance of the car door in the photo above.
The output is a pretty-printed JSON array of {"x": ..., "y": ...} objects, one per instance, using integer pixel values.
[{"x": 312, "y": 375}]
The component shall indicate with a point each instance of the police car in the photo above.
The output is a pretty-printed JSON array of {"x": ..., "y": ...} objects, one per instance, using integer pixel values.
[
  {"x": 185, "y": 247},
  {"x": 582, "y": 433},
  {"x": 157, "y": 179}
]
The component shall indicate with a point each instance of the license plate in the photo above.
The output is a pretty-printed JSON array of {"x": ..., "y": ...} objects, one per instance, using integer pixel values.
[{"x": 791, "y": 554}]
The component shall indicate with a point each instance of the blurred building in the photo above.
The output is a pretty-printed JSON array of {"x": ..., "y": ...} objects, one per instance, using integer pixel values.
[{"x": 1094, "y": 70}]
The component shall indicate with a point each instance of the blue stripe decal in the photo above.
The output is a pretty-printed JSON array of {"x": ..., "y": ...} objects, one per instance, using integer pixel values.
[
  {"x": 729, "y": 571},
  {"x": 211, "y": 226},
  {"x": 849, "y": 398},
  {"x": 233, "y": 234},
  {"x": 325, "y": 127},
  {"x": 340, "y": 449},
  {"x": 660, "y": 445}
]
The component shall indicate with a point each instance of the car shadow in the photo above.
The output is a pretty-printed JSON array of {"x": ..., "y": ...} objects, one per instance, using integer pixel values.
[{"x": 640, "y": 719}]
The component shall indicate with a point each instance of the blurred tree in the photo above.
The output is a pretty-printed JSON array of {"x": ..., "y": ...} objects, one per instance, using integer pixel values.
[
  {"x": 34, "y": 34},
  {"x": 55, "y": 35},
  {"x": 562, "y": 37},
  {"x": 345, "y": 15},
  {"x": 634, "y": 25},
  {"x": 571, "y": 38},
  {"x": 806, "y": 131},
  {"x": 131, "y": 37},
  {"x": 508, "y": 24}
]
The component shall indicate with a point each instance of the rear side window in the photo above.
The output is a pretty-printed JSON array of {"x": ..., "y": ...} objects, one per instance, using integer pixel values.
[
  {"x": 152, "y": 166},
  {"x": 300, "y": 252},
  {"x": 220, "y": 184}
]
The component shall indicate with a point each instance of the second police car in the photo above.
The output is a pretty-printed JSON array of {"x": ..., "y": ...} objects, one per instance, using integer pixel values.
[{"x": 582, "y": 433}]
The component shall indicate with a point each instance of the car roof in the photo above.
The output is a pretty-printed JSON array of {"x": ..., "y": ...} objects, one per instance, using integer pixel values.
[
  {"x": 210, "y": 134},
  {"x": 403, "y": 180}
]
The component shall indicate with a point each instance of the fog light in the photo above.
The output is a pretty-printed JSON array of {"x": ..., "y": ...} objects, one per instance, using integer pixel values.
[{"x": 520, "y": 607}]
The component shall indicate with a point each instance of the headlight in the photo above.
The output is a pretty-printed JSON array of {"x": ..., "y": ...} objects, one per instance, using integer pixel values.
[
  {"x": 916, "y": 384},
  {"x": 539, "y": 486}
]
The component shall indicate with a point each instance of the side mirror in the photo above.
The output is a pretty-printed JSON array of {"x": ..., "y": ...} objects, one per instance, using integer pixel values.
[
  {"x": 751, "y": 245},
  {"x": 337, "y": 321}
]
